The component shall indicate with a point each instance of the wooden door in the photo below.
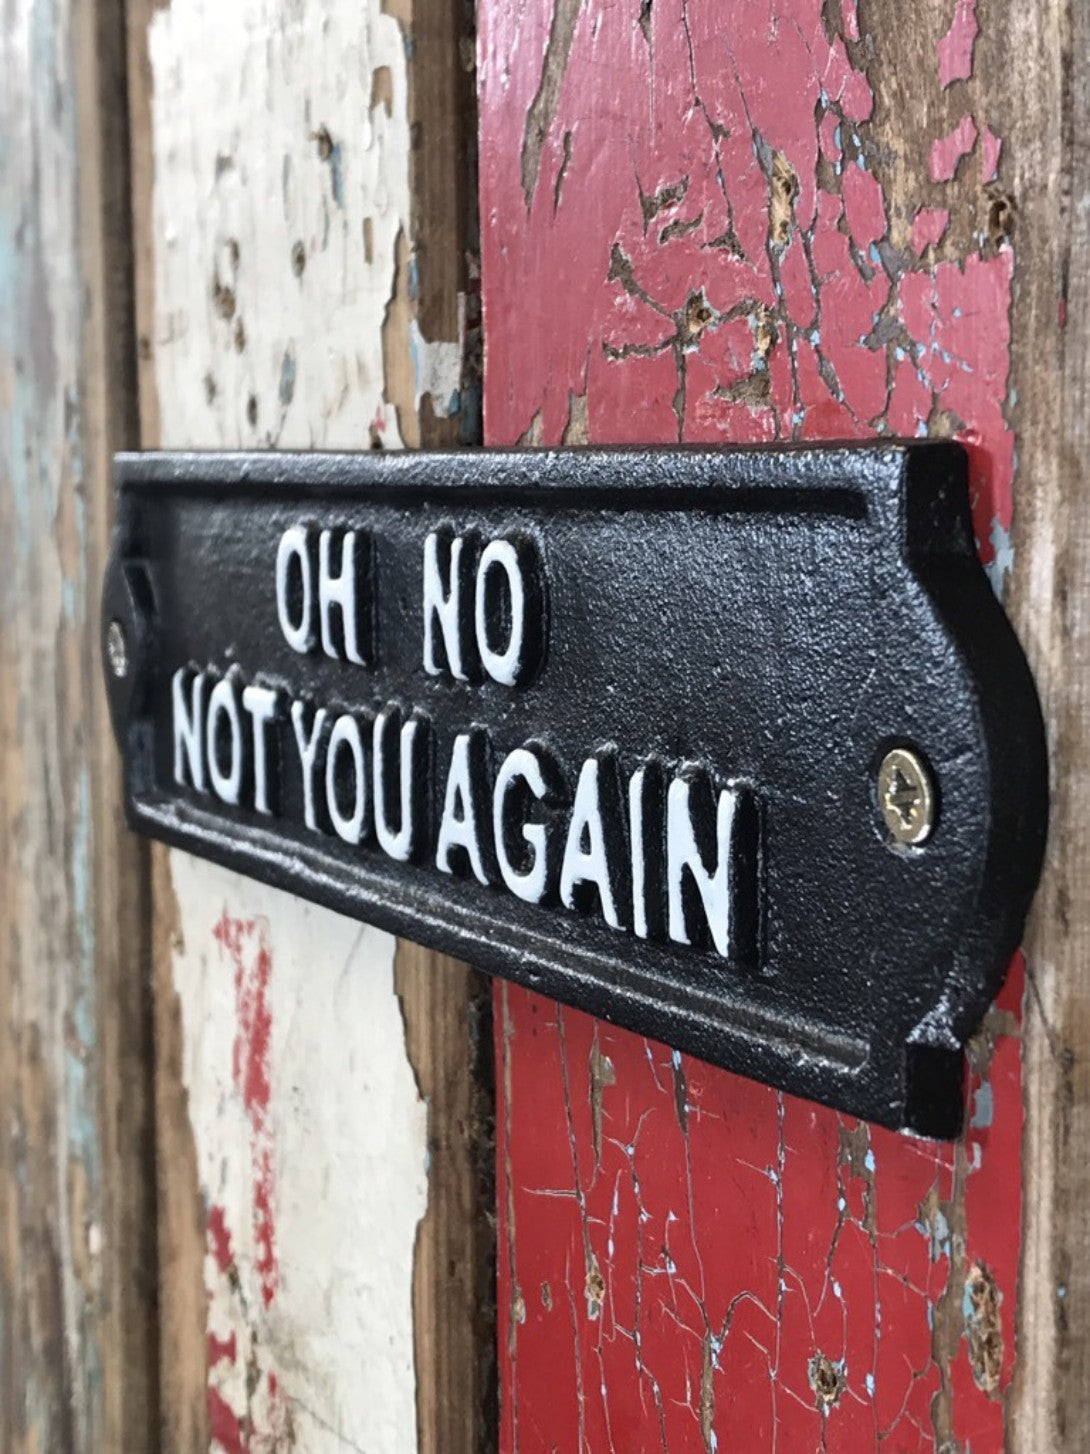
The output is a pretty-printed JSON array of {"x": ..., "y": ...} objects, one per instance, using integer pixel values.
[{"x": 270, "y": 1180}]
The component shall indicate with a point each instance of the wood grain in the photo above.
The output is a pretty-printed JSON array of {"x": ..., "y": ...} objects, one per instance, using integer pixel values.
[
  {"x": 448, "y": 1029},
  {"x": 445, "y": 230},
  {"x": 447, "y": 1006},
  {"x": 1041, "y": 73},
  {"x": 77, "y": 1245}
]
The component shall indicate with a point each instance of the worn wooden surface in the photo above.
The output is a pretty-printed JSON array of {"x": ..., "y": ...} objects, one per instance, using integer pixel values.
[
  {"x": 448, "y": 1024},
  {"x": 302, "y": 225},
  {"x": 1047, "y": 67},
  {"x": 714, "y": 221},
  {"x": 788, "y": 219},
  {"x": 77, "y": 1225}
]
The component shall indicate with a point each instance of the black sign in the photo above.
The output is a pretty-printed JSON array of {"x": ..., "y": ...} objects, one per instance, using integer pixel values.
[{"x": 735, "y": 748}]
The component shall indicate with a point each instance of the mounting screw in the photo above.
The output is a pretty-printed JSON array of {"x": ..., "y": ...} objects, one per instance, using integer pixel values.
[
  {"x": 906, "y": 796},
  {"x": 117, "y": 649}
]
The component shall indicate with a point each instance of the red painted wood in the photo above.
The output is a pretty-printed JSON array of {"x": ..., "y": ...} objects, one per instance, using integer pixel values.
[{"x": 687, "y": 1260}]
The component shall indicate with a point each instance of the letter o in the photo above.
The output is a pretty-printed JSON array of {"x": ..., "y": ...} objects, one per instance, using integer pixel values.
[
  {"x": 221, "y": 703},
  {"x": 294, "y": 548},
  {"x": 345, "y": 733},
  {"x": 503, "y": 667}
]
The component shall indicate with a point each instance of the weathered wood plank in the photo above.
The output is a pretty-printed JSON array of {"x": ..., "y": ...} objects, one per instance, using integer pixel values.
[
  {"x": 801, "y": 219},
  {"x": 1041, "y": 69},
  {"x": 77, "y": 1245},
  {"x": 282, "y": 154},
  {"x": 448, "y": 1023}
]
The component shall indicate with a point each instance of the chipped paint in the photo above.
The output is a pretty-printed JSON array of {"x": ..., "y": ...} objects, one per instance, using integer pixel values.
[
  {"x": 928, "y": 227},
  {"x": 753, "y": 1250},
  {"x": 281, "y": 141},
  {"x": 765, "y": 1232},
  {"x": 955, "y": 49},
  {"x": 311, "y": 1146},
  {"x": 807, "y": 305},
  {"x": 991, "y": 147},
  {"x": 948, "y": 151},
  {"x": 437, "y": 368},
  {"x": 328, "y": 154}
]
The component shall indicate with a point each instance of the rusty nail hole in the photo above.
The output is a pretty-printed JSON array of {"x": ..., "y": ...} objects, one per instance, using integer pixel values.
[
  {"x": 826, "y": 1379},
  {"x": 298, "y": 259},
  {"x": 325, "y": 142},
  {"x": 697, "y": 316},
  {"x": 1001, "y": 210}
]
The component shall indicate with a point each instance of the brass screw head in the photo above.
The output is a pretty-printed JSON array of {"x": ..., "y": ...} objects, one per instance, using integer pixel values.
[
  {"x": 117, "y": 649},
  {"x": 906, "y": 796}
]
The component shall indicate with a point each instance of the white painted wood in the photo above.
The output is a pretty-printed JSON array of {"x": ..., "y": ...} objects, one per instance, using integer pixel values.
[
  {"x": 312, "y": 1294},
  {"x": 280, "y": 192}
]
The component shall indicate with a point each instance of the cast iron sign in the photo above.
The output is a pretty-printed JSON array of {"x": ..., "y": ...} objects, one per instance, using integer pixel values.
[{"x": 733, "y": 747}]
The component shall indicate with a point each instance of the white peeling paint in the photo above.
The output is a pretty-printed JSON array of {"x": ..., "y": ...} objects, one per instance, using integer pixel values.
[
  {"x": 1002, "y": 562},
  {"x": 437, "y": 367},
  {"x": 346, "y": 1130},
  {"x": 280, "y": 192},
  {"x": 247, "y": 96}
]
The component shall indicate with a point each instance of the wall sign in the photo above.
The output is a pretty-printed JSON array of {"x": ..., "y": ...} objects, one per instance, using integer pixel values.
[{"x": 733, "y": 747}]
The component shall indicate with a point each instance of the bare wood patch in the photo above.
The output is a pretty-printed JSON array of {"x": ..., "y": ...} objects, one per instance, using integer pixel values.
[
  {"x": 542, "y": 109},
  {"x": 448, "y": 1029}
]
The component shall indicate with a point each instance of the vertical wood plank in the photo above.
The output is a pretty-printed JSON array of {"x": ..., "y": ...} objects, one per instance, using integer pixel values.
[
  {"x": 800, "y": 220},
  {"x": 448, "y": 1025},
  {"x": 302, "y": 227},
  {"x": 77, "y": 1245},
  {"x": 1048, "y": 85},
  {"x": 445, "y": 231}
]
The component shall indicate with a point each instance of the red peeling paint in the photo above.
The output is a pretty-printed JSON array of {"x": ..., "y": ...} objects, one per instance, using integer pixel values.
[
  {"x": 222, "y": 1350},
  {"x": 246, "y": 1409},
  {"x": 956, "y": 47},
  {"x": 960, "y": 313},
  {"x": 990, "y": 148},
  {"x": 928, "y": 227},
  {"x": 679, "y": 1245},
  {"x": 948, "y": 151},
  {"x": 219, "y": 1239},
  {"x": 737, "y": 1234},
  {"x": 224, "y": 1425},
  {"x": 864, "y": 207},
  {"x": 246, "y": 941}
]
